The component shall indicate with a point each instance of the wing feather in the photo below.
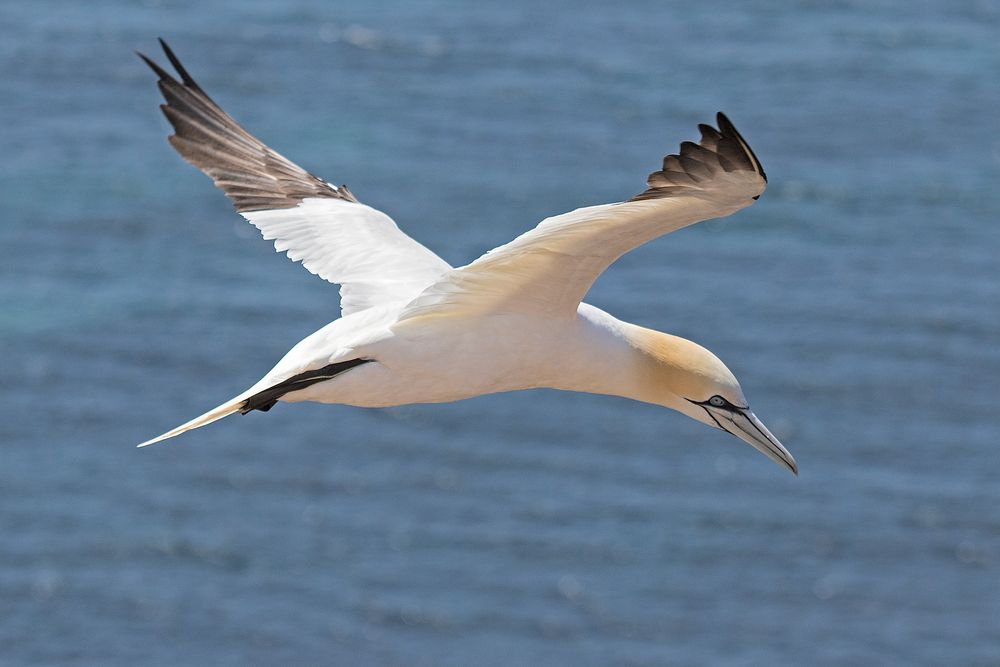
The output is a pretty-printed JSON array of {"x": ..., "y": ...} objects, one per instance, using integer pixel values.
[
  {"x": 325, "y": 227},
  {"x": 548, "y": 270}
]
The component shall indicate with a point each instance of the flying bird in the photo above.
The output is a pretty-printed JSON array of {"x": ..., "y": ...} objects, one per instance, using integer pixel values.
[{"x": 414, "y": 329}]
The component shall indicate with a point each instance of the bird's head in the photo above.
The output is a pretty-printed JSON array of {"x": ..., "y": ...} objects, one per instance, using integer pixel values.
[{"x": 690, "y": 379}]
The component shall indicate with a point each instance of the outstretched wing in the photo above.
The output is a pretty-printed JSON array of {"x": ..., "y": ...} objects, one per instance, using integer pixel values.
[
  {"x": 325, "y": 227},
  {"x": 549, "y": 270}
]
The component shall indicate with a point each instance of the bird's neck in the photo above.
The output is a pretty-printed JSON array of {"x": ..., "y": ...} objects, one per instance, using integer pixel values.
[{"x": 608, "y": 356}]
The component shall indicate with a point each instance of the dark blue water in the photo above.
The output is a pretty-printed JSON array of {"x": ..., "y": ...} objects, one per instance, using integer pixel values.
[{"x": 858, "y": 301}]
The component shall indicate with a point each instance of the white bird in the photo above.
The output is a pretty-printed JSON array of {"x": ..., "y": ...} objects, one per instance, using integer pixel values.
[{"x": 415, "y": 330}]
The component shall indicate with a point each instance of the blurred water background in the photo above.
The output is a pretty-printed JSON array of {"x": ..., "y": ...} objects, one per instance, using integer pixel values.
[{"x": 858, "y": 301}]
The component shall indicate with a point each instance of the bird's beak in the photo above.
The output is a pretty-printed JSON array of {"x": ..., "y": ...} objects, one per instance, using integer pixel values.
[{"x": 744, "y": 425}]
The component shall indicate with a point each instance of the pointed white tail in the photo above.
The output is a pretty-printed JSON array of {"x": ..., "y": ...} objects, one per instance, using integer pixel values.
[{"x": 227, "y": 408}]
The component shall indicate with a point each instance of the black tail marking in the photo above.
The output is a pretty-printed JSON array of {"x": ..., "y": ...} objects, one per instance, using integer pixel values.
[{"x": 265, "y": 400}]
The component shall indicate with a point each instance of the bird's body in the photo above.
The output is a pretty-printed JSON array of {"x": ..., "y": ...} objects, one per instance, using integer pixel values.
[
  {"x": 439, "y": 360},
  {"x": 416, "y": 330}
]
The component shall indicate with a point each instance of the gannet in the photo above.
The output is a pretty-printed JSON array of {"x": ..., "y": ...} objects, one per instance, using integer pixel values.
[{"x": 413, "y": 329}]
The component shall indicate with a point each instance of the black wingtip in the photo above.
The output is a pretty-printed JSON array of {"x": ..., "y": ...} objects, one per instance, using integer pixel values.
[
  {"x": 726, "y": 127},
  {"x": 185, "y": 77},
  {"x": 709, "y": 132},
  {"x": 160, "y": 72}
]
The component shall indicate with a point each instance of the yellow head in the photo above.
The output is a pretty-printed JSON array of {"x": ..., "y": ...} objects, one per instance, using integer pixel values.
[{"x": 686, "y": 377}]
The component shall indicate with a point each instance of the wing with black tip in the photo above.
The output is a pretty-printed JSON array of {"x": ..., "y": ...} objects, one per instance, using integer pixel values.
[
  {"x": 324, "y": 226},
  {"x": 549, "y": 270}
]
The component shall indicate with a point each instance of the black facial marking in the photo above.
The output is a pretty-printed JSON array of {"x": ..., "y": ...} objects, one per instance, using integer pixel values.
[
  {"x": 718, "y": 402},
  {"x": 714, "y": 419}
]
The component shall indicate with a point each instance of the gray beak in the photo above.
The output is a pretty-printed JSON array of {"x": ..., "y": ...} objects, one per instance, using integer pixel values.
[{"x": 744, "y": 425}]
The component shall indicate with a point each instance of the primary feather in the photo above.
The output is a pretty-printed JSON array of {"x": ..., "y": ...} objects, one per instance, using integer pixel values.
[{"x": 325, "y": 227}]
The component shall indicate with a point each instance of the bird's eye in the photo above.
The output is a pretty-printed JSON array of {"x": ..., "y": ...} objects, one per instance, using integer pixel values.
[{"x": 718, "y": 401}]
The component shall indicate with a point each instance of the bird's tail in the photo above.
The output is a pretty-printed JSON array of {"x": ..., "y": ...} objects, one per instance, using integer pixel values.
[
  {"x": 227, "y": 408},
  {"x": 263, "y": 395}
]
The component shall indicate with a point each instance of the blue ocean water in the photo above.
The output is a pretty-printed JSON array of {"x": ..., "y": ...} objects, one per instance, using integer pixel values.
[{"x": 858, "y": 301}]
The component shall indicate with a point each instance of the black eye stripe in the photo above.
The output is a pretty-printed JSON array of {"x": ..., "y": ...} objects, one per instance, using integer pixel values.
[
  {"x": 718, "y": 402},
  {"x": 717, "y": 423}
]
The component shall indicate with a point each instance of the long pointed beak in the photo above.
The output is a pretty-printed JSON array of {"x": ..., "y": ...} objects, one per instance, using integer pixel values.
[{"x": 744, "y": 425}]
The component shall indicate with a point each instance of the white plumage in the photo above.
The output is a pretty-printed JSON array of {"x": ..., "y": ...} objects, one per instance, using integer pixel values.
[
  {"x": 415, "y": 330},
  {"x": 352, "y": 245}
]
